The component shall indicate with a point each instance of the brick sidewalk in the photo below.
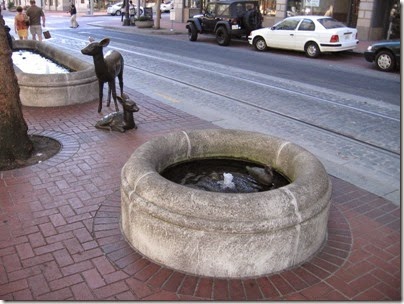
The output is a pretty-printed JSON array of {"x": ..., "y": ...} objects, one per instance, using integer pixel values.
[{"x": 60, "y": 237}]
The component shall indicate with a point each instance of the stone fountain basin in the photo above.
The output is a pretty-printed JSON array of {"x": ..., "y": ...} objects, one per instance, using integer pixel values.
[
  {"x": 224, "y": 234},
  {"x": 52, "y": 90}
]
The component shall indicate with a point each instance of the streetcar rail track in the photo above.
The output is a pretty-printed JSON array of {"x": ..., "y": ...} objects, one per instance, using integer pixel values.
[
  {"x": 298, "y": 120},
  {"x": 256, "y": 82},
  {"x": 272, "y": 111},
  {"x": 289, "y": 91}
]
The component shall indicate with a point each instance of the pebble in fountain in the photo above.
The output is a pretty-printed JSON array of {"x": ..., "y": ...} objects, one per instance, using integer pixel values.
[{"x": 263, "y": 175}]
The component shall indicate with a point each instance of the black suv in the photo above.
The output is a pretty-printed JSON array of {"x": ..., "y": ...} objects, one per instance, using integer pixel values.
[{"x": 226, "y": 19}]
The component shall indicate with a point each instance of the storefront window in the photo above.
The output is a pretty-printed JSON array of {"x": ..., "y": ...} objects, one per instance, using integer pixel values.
[
  {"x": 268, "y": 7},
  {"x": 337, "y": 9},
  {"x": 192, "y": 3}
]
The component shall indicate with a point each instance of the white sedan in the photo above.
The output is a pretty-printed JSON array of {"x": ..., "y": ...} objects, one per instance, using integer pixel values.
[
  {"x": 311, "y": 34},
  {"x": 167, "y": 6},
  {"x": 118, "y": 9},
  {"x": 115, "y": 9}
]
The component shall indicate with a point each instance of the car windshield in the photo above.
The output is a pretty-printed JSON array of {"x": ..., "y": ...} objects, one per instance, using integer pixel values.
[{"x": 330, "y": 23}]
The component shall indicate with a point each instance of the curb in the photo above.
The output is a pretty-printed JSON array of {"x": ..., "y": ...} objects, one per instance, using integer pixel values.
[{"x": 161, "y": 31}]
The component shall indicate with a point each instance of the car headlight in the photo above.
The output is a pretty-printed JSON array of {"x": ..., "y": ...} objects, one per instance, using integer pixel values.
[{"x": 370, "y": 48}]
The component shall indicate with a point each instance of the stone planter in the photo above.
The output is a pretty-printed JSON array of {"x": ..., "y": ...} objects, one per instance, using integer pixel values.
[
  {"x": 224, "y": 234},
  {"x": 144, "y": 24},
  {"x": 51, "y": 90}
]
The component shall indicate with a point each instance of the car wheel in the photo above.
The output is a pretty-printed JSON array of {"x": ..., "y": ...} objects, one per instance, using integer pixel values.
[
  {"x": 222, "y": 36},
  {"x": 312, "y": 50},
  {"x": 192, "y": 32},
  {"x": 118, "y": 13},
  {"x": 260, "y": 44},
  {"x": 385, "y": 61}
]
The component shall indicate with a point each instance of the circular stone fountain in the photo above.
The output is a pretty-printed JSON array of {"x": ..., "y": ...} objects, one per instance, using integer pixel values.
[{"x": 224, "y": 234}]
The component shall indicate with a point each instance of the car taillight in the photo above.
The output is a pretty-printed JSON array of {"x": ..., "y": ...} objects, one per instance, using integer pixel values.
[{"x": 334, "y": 38}]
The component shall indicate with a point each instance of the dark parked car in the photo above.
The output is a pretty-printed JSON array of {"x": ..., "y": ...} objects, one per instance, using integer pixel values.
[
  {"x": 226, "y": 19},
  {"x": 386, "y": 55}
]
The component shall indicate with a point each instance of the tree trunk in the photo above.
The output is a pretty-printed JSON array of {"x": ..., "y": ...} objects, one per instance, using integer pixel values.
[
  {"x": 158, "y": 14},
  {"x": 15, "y": 143}
]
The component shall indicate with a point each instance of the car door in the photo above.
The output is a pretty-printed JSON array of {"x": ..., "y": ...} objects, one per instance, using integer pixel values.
[
  {"x": 306, "y": 31},
  {"x": 282, "y": 35},
  {"x": 209, "y": 20}
]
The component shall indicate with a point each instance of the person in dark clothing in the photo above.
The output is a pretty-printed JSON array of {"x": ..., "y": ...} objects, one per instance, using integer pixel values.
[
  {"x": 73, "y": 18},
  {"x": 9, "y": 39}
]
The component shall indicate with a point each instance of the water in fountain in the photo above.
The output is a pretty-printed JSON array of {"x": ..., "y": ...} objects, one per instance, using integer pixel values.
[
  {"x": 223, "y": 175},
  {"x": 34, "y": 63}
]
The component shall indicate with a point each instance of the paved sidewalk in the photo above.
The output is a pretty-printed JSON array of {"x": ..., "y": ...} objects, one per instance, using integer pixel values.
[{"x": 60, "y": 237}]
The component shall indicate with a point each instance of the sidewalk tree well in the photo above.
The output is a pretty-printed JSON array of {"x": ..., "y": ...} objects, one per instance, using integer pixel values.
[{"x": 15, "y": 143}]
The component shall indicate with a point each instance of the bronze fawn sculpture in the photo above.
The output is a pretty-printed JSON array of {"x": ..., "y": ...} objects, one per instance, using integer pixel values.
[
  {"x": 120, "y": 121},
  {"x": 107, "y": 68}
]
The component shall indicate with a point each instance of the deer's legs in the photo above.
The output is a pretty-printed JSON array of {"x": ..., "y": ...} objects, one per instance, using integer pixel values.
[
  {"x": 100, "y": 89},
  {"x": 120, "y": 78},
  {"x": 113, "y": 89},
  {"x": 109, "y": 95}
]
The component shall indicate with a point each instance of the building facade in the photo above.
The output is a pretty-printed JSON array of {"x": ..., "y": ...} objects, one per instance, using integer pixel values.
[
  {"x": 370, "y": 17},
  {"x": 55, "y": 5}
]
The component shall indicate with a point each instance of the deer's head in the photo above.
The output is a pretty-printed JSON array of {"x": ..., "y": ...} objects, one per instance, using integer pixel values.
[
  {"x": 95, "y": 47},
  {"x": 127, "y": 104}
]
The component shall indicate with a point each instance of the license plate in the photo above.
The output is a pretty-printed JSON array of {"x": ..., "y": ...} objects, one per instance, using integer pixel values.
[
  {"x": 347, "y": 36},
  {"x": 235, "y": 27}
]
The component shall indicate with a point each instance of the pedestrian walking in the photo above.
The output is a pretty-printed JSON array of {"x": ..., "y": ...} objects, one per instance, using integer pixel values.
[
  {"x": 21, "y": 23},
  {"x": 132, "y": 10},
  {"x": 123, "y": 10},
  {"x": 73, "y": 18},
  {"x": 35, "y": 15}
]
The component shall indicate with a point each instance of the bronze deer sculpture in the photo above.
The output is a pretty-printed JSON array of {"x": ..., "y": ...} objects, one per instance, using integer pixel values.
[
  {"x": 107, "y": 68},
  {"x": 120, "y": 121}
]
